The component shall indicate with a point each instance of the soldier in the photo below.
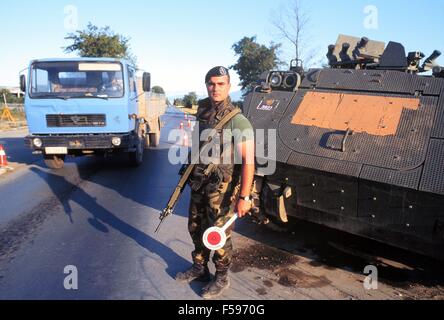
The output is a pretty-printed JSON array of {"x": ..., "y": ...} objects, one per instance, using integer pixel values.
[{"x": 217, "y": 195}]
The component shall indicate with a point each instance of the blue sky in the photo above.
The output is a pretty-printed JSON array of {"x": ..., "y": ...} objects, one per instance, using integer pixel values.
[{"x": 178, "y": 41}]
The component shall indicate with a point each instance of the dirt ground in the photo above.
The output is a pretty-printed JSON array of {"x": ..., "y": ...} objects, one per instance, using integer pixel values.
[{"x": 314, "y": 262}]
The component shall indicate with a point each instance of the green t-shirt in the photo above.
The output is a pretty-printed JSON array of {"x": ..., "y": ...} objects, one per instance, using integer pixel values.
[{"x": 241, "y": 128}]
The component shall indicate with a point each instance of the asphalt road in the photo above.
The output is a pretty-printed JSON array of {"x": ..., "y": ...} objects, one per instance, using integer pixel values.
[{"x": 99, "y": 216}]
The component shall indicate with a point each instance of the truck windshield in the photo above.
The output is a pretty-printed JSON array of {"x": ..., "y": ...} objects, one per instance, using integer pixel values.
[{"x": 76, "y": 80}]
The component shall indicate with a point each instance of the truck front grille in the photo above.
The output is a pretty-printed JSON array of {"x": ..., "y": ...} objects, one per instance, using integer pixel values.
[{"x": 75, "y": 120}]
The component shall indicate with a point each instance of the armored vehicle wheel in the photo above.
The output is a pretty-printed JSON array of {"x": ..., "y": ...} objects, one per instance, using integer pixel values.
[
  {"x": 277, "y": 225},
  {"x": 53, "y": 161}
]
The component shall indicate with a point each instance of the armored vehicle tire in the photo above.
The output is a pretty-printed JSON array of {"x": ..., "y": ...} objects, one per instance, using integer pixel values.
[
  {"x": 136, "y": 157},
  {"x": 53, "y": 161},
  {"x": 275, "y": 224}
]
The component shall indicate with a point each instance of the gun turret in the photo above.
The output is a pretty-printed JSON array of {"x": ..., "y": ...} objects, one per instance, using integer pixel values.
[
  {"x": 360, "y": 47},
  {"x": 413, "y": 60},
  {"x": 364, "y": 42},
  {"x": 365, "y": 54},
  {"x": 429, "y": 63},
  {"x": 332, "y": 59},
  {"x": 344, "y": 52}
]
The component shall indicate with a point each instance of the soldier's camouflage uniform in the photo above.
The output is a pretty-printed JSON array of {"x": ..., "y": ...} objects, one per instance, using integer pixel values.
[{"x": 213, "y": 197}]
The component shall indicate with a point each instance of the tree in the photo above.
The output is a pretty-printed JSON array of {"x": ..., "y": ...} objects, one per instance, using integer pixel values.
[
  {"x": 158, "y": 90},
  {"x": 254, "y": 59},
  {"x": 292, "y": 23},
  {"x": 100, "y": 42},
  {"x": 190, "y": 100},
  {"x": 178, "y": 102}
]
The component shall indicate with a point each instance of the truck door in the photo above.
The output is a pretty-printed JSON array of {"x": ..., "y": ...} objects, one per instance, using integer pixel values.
[{"x": 133, "y": 100}]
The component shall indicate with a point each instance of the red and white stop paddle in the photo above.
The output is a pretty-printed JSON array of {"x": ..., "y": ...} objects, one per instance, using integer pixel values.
[{"x": 215, "y": 238}]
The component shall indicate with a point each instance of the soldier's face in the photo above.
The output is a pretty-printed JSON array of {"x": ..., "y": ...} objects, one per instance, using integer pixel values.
[{"x": 218, "y": 88}]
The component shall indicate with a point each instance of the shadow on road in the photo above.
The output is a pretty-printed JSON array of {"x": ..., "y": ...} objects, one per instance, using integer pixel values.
[
  {"x": 17, "y": 152},
  {"x": 150, "y": 185},
  {"x": 102, "y": 219}
]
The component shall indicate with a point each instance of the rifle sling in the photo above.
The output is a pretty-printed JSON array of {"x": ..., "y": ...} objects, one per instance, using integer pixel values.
[{"x": 190, "y": 168}]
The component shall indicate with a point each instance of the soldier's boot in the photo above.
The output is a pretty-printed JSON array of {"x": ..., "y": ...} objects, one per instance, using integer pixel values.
[
  {"x": 198, "y": 272},
  {"x": 215, "y": 288}
]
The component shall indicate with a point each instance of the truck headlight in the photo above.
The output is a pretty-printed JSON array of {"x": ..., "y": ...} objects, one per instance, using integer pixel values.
[
  {"x": 37, "y": 142},
  {"x": 116, "y": 141}
]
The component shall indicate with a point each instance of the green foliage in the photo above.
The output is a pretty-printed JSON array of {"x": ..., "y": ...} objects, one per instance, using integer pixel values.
[
  {"x": 158, "y": 90},
  {"x": 99, "y": 42},
  {"x": 178, "y": 102},
  {"x": 254, "y": 59},
  {"x": 10, "y": 97},
  {"x": 190, "y": 100}
]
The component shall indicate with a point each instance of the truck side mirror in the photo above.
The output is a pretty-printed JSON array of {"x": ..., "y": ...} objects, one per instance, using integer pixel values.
[
  {"x": 146, "y": 82},
  {"x": 23, "y": 83}
]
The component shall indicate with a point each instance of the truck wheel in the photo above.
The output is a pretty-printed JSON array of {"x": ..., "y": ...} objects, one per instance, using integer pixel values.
[
  {"x": 53, "y": 161},
  {"x": 146, "y": 141},
  {"x": 154, "y": 139},
  {"x": 136, "y": 157}
]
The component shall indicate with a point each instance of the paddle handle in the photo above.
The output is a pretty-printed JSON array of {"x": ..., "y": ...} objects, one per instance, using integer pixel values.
[{"x": 230, "y": 222}]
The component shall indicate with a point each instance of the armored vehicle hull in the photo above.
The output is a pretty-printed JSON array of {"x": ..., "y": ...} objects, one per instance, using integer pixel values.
[{"x": 359, "y": 150}]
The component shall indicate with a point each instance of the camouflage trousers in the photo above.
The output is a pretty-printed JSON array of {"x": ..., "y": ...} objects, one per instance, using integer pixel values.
[{"x": 212, "y": 210}]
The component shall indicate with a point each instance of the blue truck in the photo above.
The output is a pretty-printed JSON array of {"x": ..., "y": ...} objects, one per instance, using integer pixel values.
[{"x": 87, "y": 106}]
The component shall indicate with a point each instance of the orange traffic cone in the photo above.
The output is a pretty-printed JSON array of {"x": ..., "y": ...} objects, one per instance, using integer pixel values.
[
  {"x": 185, "y": 139},
  {"x": 181, "y": 126},
  {"x": 3, "y": 158},
  {"x": 189, "y": 123}
]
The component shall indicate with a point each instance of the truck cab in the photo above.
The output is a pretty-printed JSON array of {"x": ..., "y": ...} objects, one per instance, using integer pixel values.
[{"x": 86, "y": 106}]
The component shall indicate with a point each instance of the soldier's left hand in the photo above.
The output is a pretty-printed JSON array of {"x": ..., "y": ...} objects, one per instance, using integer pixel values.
[{"x": 243, "y": 208}]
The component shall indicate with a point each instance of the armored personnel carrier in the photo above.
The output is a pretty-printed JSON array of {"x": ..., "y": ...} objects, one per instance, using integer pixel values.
[{"x": 360, "y": 144}]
